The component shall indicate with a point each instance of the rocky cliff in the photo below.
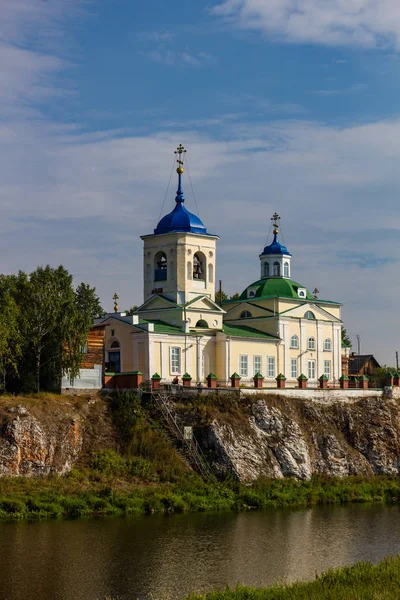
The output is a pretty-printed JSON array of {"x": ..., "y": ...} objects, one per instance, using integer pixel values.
[
  {"x": 269, "y": 436},
  {"x": 49, "y": 435},
  {"x": 282, "y": 437}
]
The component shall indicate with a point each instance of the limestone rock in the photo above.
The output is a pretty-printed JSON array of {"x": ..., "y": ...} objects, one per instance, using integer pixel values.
[{"x": 301, "y": 438}]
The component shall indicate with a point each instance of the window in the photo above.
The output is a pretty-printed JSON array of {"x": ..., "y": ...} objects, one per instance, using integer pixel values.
[
  {"x": 327, "y": 344},
  {"x": 294, "y": 341},
  {"x": 311, "y": 343},
  {"x": 286, "y": 269},
  {"x": 277, "y": 269},
  {"x": 83, "y": 349},
  {"x": 160, "y": 267},
  {"x": 302, "y": 294},
  {"x": 202, "y": 323},
  {"x": 266, "y": 269},
  {"x": 309, "y": 315},
  {"x": 210, "y": 273},
  {"x": 112, "y": 332},
  {"x": 327, "y": 368},
  {"x": 244, "y": 365},
  {"x": 257, "y": 364},
  {"x": 245, "y": 314},
  {"x": 293, "y": 368},
  {"x": 175, "y": 360},
  {"x": 115, "y": 345},
  {"x": 199, "y": 266},
  {"x": 271, "y": 366},
  {"x": 311, "y": 369},
  {"x": 250, "y": 294}
]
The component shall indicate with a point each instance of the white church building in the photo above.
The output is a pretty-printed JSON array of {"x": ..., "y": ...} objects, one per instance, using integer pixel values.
[{"x": 275, "y": 327}]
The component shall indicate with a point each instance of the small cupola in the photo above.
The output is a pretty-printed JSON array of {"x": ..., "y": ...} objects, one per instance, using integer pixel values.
[{"x": 275, "y": 258}]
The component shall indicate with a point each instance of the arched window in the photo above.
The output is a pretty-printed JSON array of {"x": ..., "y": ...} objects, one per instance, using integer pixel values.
[
  {"x": 266, "y": 269},
  {"x": 286, "y": 269},
  {"x": 294, "y": 341},
  {"x": 210, "y": 273},
  {"x": 245, "y": 314},
  {"x": 202, "y": 323},
  {"x": 311, "y": 343},
  {"x": 327, "y": 344},
  {"x": 199, "y": 266},
  {"x": 189, "y": 270},
  {"x": 309, "y": 315},
  {"x": 277, "y": 269},
  {"x": 114, "y": 357},
  {"x": 160, "y": 267}
]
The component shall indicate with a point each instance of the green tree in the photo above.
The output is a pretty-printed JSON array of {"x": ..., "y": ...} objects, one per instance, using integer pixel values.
[
  {"x": 131, "y": 311},
  {"x": 223, "y": 297},
  {"x": 345, "y": 338},
  {"x": 10, "y": 334},
  {"x": 82, "y": 313},
  {"x": 55, "y": 321}
]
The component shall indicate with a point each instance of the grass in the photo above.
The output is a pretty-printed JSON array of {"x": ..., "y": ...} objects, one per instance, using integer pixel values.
[
  {"x": 362, "y": 581},
  {"x": 97, "y": 491}
]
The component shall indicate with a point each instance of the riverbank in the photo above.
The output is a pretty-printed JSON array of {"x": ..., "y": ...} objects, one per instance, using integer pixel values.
[
  {"x": 93, "y": 493},
  {"x": 362, "y": 581}
]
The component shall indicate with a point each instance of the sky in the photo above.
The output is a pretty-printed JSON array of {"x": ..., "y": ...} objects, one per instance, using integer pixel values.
[{"x": 283, "y": 105}]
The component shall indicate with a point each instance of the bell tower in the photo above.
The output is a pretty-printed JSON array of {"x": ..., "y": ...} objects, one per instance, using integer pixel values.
[
  {"x": 275, "y": 258},
  {"x": 180, "y": 256}
]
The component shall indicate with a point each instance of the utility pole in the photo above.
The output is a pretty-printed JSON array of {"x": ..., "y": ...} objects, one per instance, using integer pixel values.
[
  {"x": 220, "y": 292},
  {"x": 358, "y": 344},
  {"x": 397, "y": 361}
]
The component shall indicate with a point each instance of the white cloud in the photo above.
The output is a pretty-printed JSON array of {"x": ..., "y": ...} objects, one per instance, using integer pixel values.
[
  {"x": 84, "y": 199},
  {"x": 365, "y": 23}
]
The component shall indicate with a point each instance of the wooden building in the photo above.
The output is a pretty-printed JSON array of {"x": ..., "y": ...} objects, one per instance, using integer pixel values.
[{"x": 362, "y": 364}]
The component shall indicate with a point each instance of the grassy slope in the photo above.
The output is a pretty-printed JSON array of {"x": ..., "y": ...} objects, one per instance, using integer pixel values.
[
  {"x": 143, "y": 474},
  {"x": 362, "y": 581}
]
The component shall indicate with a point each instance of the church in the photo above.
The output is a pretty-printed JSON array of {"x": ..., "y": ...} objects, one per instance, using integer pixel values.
[{"x": 275, "y": 327}]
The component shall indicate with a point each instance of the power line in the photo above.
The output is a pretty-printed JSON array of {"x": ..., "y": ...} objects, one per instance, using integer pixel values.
[
  {"x": 191, "y": 185},
  {"x": 166, "y": 192}
]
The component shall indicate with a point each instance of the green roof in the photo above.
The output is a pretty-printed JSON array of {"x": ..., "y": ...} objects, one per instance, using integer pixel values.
[
  {"x": 277, "y": 287},
  {"x": 161, "y": 327},
  {"x": 249, "y": 332}
]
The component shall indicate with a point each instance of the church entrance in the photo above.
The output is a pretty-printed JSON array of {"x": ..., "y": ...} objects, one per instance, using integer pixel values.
[{"x": 114, "y": 362}]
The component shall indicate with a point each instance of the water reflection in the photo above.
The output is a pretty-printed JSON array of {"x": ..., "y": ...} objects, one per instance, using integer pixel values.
[{"x": 169, "y": 557}]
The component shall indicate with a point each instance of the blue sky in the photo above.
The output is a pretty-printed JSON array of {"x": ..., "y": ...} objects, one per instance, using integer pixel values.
[{"x": 282, "y": 105}]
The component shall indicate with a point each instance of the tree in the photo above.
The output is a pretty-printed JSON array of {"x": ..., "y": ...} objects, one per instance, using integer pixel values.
[
  {"x": 55, "y": 321},
  {"x": 131, "y": 311},
  {"x": 223, "y": 297},
  {"x": 81, "y": 315},
  {"x": 10, "y": 335},
  {"x": 345, "y": 338}
]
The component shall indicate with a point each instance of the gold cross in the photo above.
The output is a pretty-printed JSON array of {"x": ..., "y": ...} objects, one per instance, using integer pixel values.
[
  {"x": 180, "y": 150},
  {"x": 115, "y": 298},
  {"x": 275, "y": 218}
]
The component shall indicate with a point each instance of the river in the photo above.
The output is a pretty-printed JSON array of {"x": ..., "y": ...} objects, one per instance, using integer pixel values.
[{"x": 168, "y": 557}]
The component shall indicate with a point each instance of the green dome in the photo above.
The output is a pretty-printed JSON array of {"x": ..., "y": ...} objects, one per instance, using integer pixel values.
[{"x": 273, "y": 287}]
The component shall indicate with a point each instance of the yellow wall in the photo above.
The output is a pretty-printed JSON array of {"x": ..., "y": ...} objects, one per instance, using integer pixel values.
[
  {"x": 123, "y": 335},
  {"x": 179, "y": 249}
]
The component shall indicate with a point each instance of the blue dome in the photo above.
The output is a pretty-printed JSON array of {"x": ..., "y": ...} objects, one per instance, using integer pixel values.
[
  {"x": 180, "y": 219},
  {"x": 276, "y": 248}
]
